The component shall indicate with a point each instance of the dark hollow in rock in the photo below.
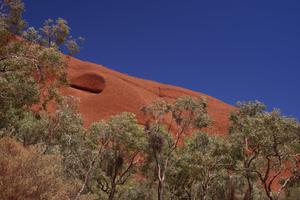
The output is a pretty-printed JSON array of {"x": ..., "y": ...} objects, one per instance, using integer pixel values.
[{"x": 92, "y": 83}]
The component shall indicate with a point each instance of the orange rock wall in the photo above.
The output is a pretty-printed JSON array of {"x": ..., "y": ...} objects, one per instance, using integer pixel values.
[{"x": 103, "y": 92}]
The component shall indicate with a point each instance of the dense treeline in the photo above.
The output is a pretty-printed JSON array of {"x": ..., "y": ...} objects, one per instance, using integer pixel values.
[{"x": 53, "y": 156}]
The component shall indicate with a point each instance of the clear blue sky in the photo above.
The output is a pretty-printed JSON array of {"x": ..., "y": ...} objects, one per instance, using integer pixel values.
[{"x": 230, "y": 49}]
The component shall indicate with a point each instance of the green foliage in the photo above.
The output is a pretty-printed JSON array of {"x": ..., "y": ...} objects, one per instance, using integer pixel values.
[
  {"x": 163, "y": 140},
  {"x": 11, "y": 15},
  {"x": 74, "y": 45},
  {"x": 137, "y": 190},
  {"x": 32, "y": 35},
  {"x": 123, "y": 141},
  {"x": 54, "y": 34},
  {"x": 201, "y": 168},
  {"x": 30, "y": 75},
  {"x": 22, "y": 70},
  {"x": 292, "y": 194},
  {"x": 264, "y": 143}
]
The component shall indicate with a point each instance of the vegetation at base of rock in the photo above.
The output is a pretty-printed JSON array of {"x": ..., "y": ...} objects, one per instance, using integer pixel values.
[
  {"x": 27, "y": 173},
  {"x": 164, "y": 140},
  {"x": 51, "y": 155},
  {"x": 266, "y": 148}
]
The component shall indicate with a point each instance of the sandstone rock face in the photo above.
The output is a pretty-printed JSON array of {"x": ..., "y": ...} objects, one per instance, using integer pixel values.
[
  {"x": 89, "y": 82},
  {"x": 103, "y": 92}
]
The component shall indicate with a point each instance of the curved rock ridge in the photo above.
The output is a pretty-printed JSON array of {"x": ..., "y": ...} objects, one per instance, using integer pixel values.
[{"x": 103, "y": 92}]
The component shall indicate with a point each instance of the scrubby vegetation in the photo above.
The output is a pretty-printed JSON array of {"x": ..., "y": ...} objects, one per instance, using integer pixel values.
[{"x": 51, "y": 155}]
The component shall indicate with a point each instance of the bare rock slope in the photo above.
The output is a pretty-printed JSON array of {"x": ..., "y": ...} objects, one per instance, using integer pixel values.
[{"x": 103, "y": 92}]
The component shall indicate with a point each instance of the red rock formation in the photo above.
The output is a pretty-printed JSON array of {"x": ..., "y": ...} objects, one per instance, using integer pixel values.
[{"x": 103, "y": 92}]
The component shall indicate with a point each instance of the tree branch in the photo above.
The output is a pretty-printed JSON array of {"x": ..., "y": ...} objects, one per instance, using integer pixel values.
[{"x": 121, "y": 181}]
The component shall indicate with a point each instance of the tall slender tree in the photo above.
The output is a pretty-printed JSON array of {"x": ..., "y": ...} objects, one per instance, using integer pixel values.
[{"x": 165, "y": 135}]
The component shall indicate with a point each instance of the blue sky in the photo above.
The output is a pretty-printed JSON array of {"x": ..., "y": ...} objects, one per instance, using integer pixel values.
[{"x": 233, "y": 50}]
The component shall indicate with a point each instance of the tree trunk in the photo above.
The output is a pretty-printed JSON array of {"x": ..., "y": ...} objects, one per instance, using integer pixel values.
[
  {"x": 112, "y": 192},
  {"x": 160, "y": 190},
  {"x": 232, "y": 193},
  {"x": 204, "y": 191},
  {"x": 203, "y": 196},
  {"x": 268, "y": 193},
  {"x": 249, "y": 192}
]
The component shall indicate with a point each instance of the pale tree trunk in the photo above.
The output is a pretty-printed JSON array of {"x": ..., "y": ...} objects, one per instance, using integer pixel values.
[{"x": 160, "y": 190}]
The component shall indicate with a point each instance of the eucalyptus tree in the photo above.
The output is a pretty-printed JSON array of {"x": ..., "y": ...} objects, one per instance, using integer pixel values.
[
  {"x": 54, "y": 34},
  {"x": 20, "y": 77},
  {"x": 167, "y": 125},
  {"x": 266, "y": 144},
  {"x": 122, "y": 142},
  {"x": 11, "y": 15},
  {"x": 30, "y": 72},
  {"x": 201, "y": 169}
]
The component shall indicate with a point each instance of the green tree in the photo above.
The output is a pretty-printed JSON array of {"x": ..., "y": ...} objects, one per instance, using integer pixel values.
[
  {"x": 104, "y": 158},
  {"x": 74, "y": 45},
  {"x": 201, "y": 169},
  {"x": 32, "y": 35},
  {"x": 30, "y": 75},
  {"x": 164, "y": 136},
  {"x": 21, "y": 78},
  {"x": 11, "y": 15},
  {"x": 54, "y": 34},
  {"x": 140, "y": 189},
  {"x": 64, "y": 133},
  {"x": 266, "y": 144},
  {"x": 122, "y": 142}
]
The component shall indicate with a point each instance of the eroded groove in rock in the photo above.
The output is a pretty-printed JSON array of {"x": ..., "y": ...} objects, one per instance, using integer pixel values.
[{"x": 93, "y": 83}]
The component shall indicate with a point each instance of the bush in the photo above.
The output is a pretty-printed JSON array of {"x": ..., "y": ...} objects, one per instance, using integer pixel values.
[{"x": 27, "y": 174}]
